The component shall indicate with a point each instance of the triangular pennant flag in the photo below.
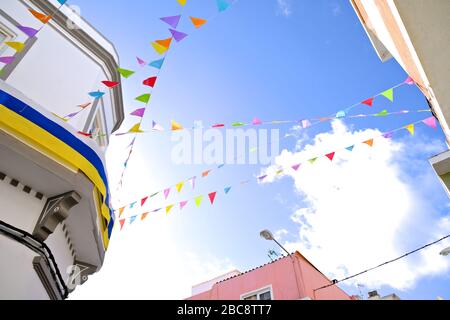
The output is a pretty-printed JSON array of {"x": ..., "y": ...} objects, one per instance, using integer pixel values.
[
  {"x": 166, "y": 193},
  {"x": 18, "y": 46},
  {"x": 84, "y": 105},
  {"x": 369, "y": 142},
  {"x": 410, "y": 128},
  {"x": 149, "y": 82},
  {"x": 296, "y": 166},
  {"x": 171, "y": 21},
  {"x": 96, "y": 94},
  {"x": 227, "y": 189},
  {"x": 431, "y": 122},
  {"x": 159, "y": 48},
  {"x": 312, "y": 160},
  {"x": 136, "y": 128},
  {"x": 256, "y": 122},
  {"x": 168, "y": 208},
  {"x": 122, "y": 222},
  {"x": 40, "y": 16},
  {"x": 222, "y": 5},
  {"x": 176, "y": 126},
  {"x": 164, "y": 42},
  {"x": 144, "y": 215},
  {"x": 156, "y": 210},
  {"x": 30, "y": 32},
  {"x": 73, "y": 114},
  {"x": 157, "y": 127},
  {"x": 182, "y": 2},
  {"x": 237, "y": 124},
  {"x": 154, "y": 194},
  {"x": 145, "y": 98},
  {"x": 305, "y": 124},
  {"x": 132, "y": 204},
  {"x": 143, "y": 200},
  {"x": 6, "y": 60},
  {"x": 409, "y": 81},
  {"x": 179, "y": 186},
  {"x": 279, "y": 171},
  {"x": 138, "y": 112},
  {"x": 125, "y": 73},
  {"x": 157, "y": 63},
  {"x": 205, "y": 173},
  {"x": 132, "y": 218},
  {"x": 183, "y": 204},
  {"x": 382, "y": 113},
  {"x": 368, "y": 102},
  {"x": 140, "y": 62},
  {"x": 212, "y": 196},
  {"x": 61, "y": 2},
  {"x": 198, "y": 200},
  {"x": 121, "y": 211},
  {"x": 350, "y": 148},
  {"x": 330, "y": 155},
  {"x": 110, "y": 84},
  {"x": 219, "y": 125},
  {"x": 261, "y": 178},
  {"x": 340, "y": 114},
  {"x": 177, "y": 35},
  {"x": 220, "y": 166},
  {"x": 192, "y": 182},
  {"x": 389, "y": 93},
  {"x": 198, "y": 22},
  {"x": 59, "y": 117},
  {"x": 388, "y": 135}
]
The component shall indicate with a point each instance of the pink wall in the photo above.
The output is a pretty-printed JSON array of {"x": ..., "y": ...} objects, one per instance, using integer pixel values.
[{"x": 280, "y": 274}]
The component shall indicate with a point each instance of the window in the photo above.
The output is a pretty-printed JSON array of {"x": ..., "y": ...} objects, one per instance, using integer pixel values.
[{"x": 260, "y": 294}]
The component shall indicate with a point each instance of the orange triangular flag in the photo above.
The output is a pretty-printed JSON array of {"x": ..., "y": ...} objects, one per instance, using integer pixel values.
[
  {"x": 121, "y": 211},
  {"x": 369, "y": 142},
  {"x": 144, "y": 215},
  {"x": 198, "y": 22},
  {"x": 176, "y": 126},
  {"x": 205, "y": 173},
  {"x": 40, "y": 16},
  {"x": 165, "y": 42}
]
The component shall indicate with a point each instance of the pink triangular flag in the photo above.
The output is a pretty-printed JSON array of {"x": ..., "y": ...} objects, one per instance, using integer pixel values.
[
  {"x": 305, "y": 124},
  {"x": 431, "y": 122},
  {"x": 192, "y": 182},
  {"x": 296, "y": 166},
  {"x": 141, "y": 62},
  {"x": 409, "y": 81},
  {"x": 138, "y": 112},
  {"x": 166, "y": 192},
  {"x": 183, "y": 204},
  {"x": 256, "y": 122}
]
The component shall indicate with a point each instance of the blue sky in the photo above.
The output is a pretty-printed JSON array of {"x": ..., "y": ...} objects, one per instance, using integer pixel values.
[{"x": 276, "y": 60}]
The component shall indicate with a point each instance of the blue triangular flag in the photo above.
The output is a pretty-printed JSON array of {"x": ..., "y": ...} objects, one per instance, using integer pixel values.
[
  {"x": 350, "y": 148},
  {"x": 61, "y": 2},
  {"x": 132, "y": 219},
  {"x": 157, "y": 63},
  {"x": 220, "y": 166},
  {"x": 227, "y": 189},
  {"x": 132, "y": 204},
  {"x": 97, "y": 94},
  {"x": 222, "y": 5}
]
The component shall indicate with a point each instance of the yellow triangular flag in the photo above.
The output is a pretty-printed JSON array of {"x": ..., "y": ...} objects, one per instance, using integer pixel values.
[
  {"x": 176, "y": 126},
  {"x": 168, "y": 208},
  {"x": 136, "y": 128},
  {"x": 179, "y": 186},
  {"x": 410, "y": 128},
  {"x": 18, "y": 46},
  {"x": 279, "y": 171},
  {"x": 182, "y": 2},
  {"x": 159, "y": 48},
  {"x": 61, "y": 118}
]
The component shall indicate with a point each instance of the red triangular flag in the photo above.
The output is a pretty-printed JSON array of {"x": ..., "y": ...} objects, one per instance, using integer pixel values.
[
  {"x": 150, "y": 82},
  {"x": 368, "y": 102},
  {"x": 143, "y": 200},
  {"x": 122, "y": 222},
  {"x": 110, "y": 84},
  {"x": 212, "y": 196},
  {"x": 330, "y": 156}
]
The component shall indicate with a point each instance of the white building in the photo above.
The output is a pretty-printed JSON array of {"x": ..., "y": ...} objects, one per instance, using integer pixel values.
[
  {"x": 54, "y": 216},
  {"x": 417, "y": 34}
]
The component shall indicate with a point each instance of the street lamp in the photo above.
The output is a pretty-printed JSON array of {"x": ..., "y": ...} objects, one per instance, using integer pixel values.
[
  {"x": 266, "y": 234},
  {"x": 445, "y": 252}
]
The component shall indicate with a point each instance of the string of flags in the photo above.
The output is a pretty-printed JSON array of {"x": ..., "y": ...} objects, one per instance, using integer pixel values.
[{"x": 197, "y": 200}]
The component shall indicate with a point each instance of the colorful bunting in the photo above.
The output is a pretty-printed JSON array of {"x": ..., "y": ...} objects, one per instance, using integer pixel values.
[
  {"x": 165, "y": 42},
  {"x": 143, "y": 201},
  {"x": 256, "y": 122},
  {"x": 305, "y": 124},
  {"x": 382, "y": 113},
  {"x": 157, "y": 63},
  {"x": 144, "y": 215},
  {"x": 388, "y": 135},
  {"x": 296, "y": 166},
  {"x": 312, "y": 160},
  {"x": 409, "y": 81},
  {"x": 122, "y": 222},
  {"x": 431, "y": 122},
  {"x": 222, "y": 5},
  {"x": 149, "y": 82},
  {"x": 156, "y": 127},
  {"x": 330, "y": 155},
  {"x": 368, "y": 102},
  {"x": 176, "y": 126},
  {"x": 177, "y": 35},
  {"x": 227, "y": 189},
  {"x": 84, "y": 105},
  {"x": 182, "y": 2},
  {"x": 350, "y": 148},
  {"x": 172, "y": 21},
  {"x": 192, "y": 182},
  {"x": 183, "y": 204},
  {"x": 121, "y": 211},
  {"x": 159, "y": 48},
  {"x": 40, "y": 16},
  {"x": 261, "y": 178},
  {"x": 138, "y": 112},
  {"x": 198, "y": 200},
  {"x": 369, "y": 142},
  {"x": 30, "y": 32},
  {"x": 125, "y": 72},
  {"x": 96, "y": 94},
  {"x": 18, "y": 46},
  {"x": 389, "y": 93},
  {"x": 141, "y": 62},
  {"x": 212, "y": 196},
  {"x": 6, "y": 60},
  {"x": 410, "y": 128},
  {"x": 179, "y": 186},
  {"x": 166, "y": 193},
  {"x": 237, "y": 124},
  {"x": 197, "y": 22},
  {"x": 145, "y": 98},
  {"x": 110, "y": 84},
  {"x": 61, "y": 2},
  {"x": 205, "y": 173},
  {"x": 136, "y": 128},
  {"x": 132, "y": 219},
  {"x": 168, "y": 208}
]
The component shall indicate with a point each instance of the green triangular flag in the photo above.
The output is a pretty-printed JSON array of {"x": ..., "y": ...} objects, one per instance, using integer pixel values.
[
  {"x": 312, "y": 160},
  {"x": 145, "y": 98},
  {"x": 389, "y": 94},
  {"x": 198, "y": 200},
  {"x": 125, "y": 73},
  {"x": 382, "y": 113}
]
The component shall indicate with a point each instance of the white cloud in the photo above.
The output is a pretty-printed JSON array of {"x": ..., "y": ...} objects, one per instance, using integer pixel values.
[
  {"x": 363, "y": 209},
  {"x": 146, "y": 263},
  {"x": 336, "y": 9},
  {"x": 284, "y": 7}
]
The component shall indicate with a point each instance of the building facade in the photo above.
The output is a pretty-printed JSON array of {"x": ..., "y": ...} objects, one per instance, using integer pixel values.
[
  {"x": 287, "y": 278},
  {"x": 55, "y": 216},
  {"x": 417, "y": 34}
]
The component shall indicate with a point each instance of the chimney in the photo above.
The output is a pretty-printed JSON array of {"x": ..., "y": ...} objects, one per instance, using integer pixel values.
[{"x": 373, "y": 294}]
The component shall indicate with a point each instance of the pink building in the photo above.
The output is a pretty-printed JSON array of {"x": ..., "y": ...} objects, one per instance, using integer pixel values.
[{"x": 287, "y": 278}]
